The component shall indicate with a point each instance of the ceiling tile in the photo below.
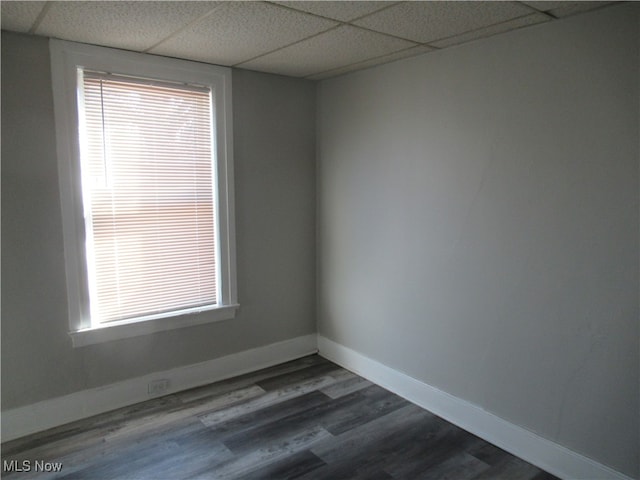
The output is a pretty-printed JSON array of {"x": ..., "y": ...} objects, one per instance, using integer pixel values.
[
  {"x": 409, "y": 52},
  {"x": 123, "y": 24},
  {"x": 19, "y": 16},
  {"x": 338, "y": 10},
  {"x": 239, "y": 31},
  {"x": 492, "y": 30},
  {"x": 429, "y": 21},
  {"x": 337, "y": 48}
]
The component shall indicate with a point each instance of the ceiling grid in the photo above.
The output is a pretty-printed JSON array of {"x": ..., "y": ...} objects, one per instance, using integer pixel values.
[{"x": 308, "y": 39}]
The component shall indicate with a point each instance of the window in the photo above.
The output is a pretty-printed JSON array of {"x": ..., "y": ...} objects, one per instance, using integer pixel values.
[{"x": 144, "y": 152}]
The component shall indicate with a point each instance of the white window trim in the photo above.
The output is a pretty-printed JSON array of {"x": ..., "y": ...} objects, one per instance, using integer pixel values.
[{"x": 65, "y": 58}]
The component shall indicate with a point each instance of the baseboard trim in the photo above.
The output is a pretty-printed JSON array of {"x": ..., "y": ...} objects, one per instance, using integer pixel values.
[
  {"x": 51, "y": 413},
  {"x": 539, "y": 451}
]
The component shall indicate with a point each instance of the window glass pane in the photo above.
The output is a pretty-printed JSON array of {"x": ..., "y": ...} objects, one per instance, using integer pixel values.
[{"x": 149, "y": 199}]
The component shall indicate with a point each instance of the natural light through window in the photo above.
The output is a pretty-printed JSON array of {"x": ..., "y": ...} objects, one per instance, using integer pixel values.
[
  {"x": 148, "y": 193},
  {"x": 145, "y": 160}
]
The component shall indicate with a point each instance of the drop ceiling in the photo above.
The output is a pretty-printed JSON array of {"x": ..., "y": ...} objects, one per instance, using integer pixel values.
[{"x": 308, "y": 39}]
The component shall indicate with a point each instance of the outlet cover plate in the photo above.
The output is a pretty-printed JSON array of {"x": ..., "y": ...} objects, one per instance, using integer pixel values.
[{"x": 158, "y": 387}]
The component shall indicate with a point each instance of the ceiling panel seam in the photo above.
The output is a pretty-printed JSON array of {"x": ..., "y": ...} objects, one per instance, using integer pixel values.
[
  {"x": 376, "y": 11},
  {"x": 387, "y": 34},
  {"x": 364, "y": 61},
  {"x": 346, "y": 22},
  {"x": 183, "y": 28},
  {"x": 40, "y": 17},
  {"x": 552, "y": 17},
  {"x": 485, "y": 27},
  {"x": 340, "y": 24}
]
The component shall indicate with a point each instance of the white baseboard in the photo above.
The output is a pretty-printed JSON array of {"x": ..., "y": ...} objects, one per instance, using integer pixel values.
[
  {"x": 543, "y": 453},
  {"x": 47, "y": 414}
]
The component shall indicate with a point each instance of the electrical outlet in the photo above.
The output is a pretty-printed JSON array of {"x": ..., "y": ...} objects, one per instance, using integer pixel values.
[{"x": 158, "y": 387}]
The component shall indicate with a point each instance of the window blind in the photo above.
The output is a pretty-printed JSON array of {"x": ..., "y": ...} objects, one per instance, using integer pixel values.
[{"x": 149, "y": 195}]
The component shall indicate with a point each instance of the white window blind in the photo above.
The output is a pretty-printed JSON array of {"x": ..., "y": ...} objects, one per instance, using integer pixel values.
[{"x": 149, "y": 196}]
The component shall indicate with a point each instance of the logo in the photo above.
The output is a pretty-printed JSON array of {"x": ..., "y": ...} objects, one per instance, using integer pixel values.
[{"x": 30, "y": 466}]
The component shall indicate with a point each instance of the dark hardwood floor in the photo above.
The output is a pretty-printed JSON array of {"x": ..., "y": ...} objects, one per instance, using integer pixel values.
[{"x": 306, "y": 419}]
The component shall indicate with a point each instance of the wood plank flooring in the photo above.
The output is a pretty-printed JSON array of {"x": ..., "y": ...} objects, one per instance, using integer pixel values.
[{"x": 306, "y": 419}]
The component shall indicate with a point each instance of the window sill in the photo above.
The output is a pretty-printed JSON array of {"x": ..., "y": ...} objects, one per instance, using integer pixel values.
[{"x": 107, "y": 333}]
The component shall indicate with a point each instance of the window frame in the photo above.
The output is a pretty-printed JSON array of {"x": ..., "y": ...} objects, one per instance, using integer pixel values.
[{"x": 66, "y": 57}]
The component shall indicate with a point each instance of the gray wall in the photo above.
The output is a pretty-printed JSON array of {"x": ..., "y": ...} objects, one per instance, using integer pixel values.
[
  {"x": 274, "y": 130},
  {"x": 478, "y": 225}
]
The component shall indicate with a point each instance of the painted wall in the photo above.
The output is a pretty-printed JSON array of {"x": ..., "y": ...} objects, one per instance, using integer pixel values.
[
  {"x": 478, "y": 225},
  {"x": 274, "y": 130}
]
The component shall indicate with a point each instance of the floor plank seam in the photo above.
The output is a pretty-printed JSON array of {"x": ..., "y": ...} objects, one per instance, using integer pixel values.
[{"x": 305, "y": 419}]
